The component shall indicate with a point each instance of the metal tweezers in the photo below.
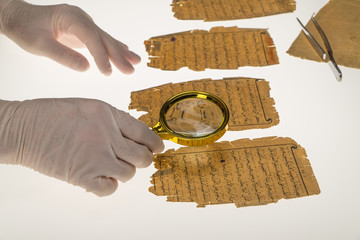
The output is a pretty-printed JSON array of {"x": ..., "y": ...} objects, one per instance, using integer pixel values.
[{"x": 326, "y": 56}]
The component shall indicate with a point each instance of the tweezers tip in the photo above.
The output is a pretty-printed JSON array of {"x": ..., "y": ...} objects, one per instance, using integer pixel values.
[
  {"x": 302, "y": 25},
  {"x": 339, "y": 79},
  {"x": 314, "y": 20}
]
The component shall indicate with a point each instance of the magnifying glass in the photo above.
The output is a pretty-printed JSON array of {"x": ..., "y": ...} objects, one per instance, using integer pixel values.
[{"x": 193, "y": 118}]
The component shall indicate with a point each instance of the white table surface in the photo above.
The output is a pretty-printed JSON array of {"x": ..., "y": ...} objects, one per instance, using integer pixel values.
[{"x": 315, "y": 110}]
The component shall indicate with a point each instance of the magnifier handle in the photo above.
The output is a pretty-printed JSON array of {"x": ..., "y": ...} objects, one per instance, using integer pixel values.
[{"x": 159, "y": 130}]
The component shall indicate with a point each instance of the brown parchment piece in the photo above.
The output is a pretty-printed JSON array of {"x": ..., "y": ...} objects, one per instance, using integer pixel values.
[
  {"x": 217, "y": 10},
  {"x": 245, "y": 172},
  {"x": 248, "y": 100},
  {"x": 340, "y": 20},
  {"x": 219, "y": 48}
]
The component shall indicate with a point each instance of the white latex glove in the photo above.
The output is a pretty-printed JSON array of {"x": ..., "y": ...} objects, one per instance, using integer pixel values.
[
  {"x": 84, "y": 142},
  {"x": 53, "y": 31}
]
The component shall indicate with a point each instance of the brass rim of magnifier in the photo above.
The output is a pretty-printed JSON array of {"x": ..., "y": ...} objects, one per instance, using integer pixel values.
[{"x": 169, "y": 134}]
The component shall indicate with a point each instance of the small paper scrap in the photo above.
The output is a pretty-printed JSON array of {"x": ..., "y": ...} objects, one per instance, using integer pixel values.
[{"x": 340, "y": 20}]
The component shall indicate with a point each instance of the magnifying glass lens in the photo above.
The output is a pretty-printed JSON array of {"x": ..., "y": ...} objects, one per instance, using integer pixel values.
[{"x": 194, "y": 117}]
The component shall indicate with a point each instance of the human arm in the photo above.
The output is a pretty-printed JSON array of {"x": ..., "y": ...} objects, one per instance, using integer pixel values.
[
  {"x": 53, "y": 31},
  {"x": 81, "y": 141}
]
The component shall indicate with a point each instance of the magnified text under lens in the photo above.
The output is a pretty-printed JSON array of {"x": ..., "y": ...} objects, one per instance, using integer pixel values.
[{"x": 194, "y": 117}]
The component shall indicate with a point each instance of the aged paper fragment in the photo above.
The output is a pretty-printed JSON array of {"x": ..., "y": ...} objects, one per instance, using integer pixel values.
[
  {"x": 248, "y": 100},
  {"x": 219, "y": 48},
  {"x": 340, "y": 20},
  {"x": 245, "y": 172},
  {"x": 217, "y": 10}
]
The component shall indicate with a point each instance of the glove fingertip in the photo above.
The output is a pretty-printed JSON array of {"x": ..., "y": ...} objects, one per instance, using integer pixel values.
[
  {"x": 133, "y": 58},
  {"x": 77, "y": 63},
  {"x": 103, "y": 186},
  {"x": 159, "y": 148},
  {"x": 83, "y": 65}
]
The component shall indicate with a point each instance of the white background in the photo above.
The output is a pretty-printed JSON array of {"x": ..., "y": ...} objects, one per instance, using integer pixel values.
[{"x": 315, "y": 110}]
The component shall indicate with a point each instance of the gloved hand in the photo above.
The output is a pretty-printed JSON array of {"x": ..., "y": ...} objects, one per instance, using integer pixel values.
[
  {"x": 53, "y": 31},
  {"x": 84, "y": 142}
]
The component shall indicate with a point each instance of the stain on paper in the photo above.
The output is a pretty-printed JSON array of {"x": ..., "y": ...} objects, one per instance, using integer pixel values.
[
  {"x": 219, "y": 48},
  {"x": 340, "y": 20},
  {"x": 217, "y": 10},
  {"x": 248, "y": 100},
  {"x": 245, "y": 172}
]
